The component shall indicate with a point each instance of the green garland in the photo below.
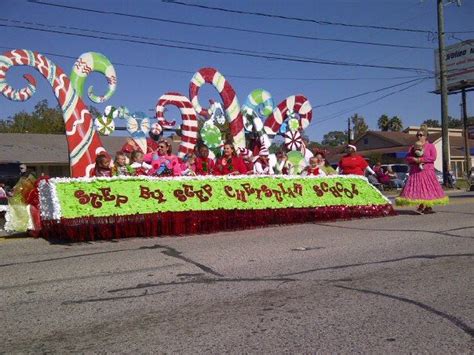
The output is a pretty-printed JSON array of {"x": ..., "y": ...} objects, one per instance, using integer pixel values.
[{"x": 129, "y": 196}]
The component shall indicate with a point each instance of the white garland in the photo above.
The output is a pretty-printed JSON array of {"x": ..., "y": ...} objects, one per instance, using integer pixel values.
[{"x": 49, "y": 205}]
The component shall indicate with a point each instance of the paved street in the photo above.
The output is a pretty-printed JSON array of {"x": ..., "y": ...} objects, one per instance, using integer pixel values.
[{"x": 396, "y": 284}]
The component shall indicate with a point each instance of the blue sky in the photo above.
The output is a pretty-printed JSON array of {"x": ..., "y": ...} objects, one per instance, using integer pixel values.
[{"x": 139, "y": 88}]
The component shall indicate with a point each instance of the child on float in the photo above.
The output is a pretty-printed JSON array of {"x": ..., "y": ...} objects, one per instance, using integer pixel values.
[
  {"x": 121, "y": 168},
  {"x": 229, "y": 163},
  {"x": 204, "y": 164},
  {"x": 323, "y": 164},
  {"x": 248, "y": 159},
  {"x": 102, "y": 166},
  {"x": 163, "y": 161},
  {"x": 313, "y": 169},
  {"x": 262, "y": 164},
  {"x": 283, "y": 166},
  {"x": 188, "y": 167},
  {"x": 137, "y": 165}
]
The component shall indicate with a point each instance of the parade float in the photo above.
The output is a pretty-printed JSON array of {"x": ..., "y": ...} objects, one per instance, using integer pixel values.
[{"x": 83, "y": 208}]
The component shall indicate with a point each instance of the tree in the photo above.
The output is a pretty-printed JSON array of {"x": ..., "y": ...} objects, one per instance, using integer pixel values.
[
  {"x": 383, "y": 123},
  {"x": 312, "y": 145},
  {"x": 360, "y": 127},
  {"x": 452, "y": 122},
  {"x": 334, "y": 138},
  {"x": 395, "y": 124},
  {"x": 431, "y": 123},
  {"x": 43, "y": 119}
]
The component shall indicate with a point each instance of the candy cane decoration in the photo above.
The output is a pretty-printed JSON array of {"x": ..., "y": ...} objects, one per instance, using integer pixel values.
[
  {"x": 229, "y": 98},
  {"x": 83, "y": 141},
  {"x": 88, "y": 63},
  {"x": 295, "y": 103},
  {"x": 189, "y": 127}
]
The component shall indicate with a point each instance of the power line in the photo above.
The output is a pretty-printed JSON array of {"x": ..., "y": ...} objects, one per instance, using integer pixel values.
[
  {"x": 287, "y": 35},
  {"x": 367, "y": 93},
  {"x": 245, "y": 77},
  {"x": 249, "y": 77},
  {"x": 216, "y": 51},
  {"x": 319, "y": 22},
  {"x": 337, "y": 114},
  {"x": 146, "y": 38}
]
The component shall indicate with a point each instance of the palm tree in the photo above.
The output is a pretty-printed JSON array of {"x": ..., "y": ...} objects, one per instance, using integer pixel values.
[
  {"x": 395, "y": 124},
  {"x": 383, "y": 123}
]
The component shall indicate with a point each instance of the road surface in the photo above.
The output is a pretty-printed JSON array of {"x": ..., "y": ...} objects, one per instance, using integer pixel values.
[{"x": 395, "y": 284}]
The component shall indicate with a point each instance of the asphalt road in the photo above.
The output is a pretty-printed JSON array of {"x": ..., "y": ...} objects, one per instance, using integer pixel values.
[{"x": 395, "y": 284}]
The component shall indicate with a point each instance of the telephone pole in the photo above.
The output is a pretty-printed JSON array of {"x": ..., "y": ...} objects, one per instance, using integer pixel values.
[
  {"x": 467, "y": 152},
  {"x": 349, "y": 130},
  {"x": 444, "y": 93}
]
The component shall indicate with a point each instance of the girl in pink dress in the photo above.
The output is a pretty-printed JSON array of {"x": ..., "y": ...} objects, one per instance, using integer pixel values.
[{"x": 422, "y": 187}]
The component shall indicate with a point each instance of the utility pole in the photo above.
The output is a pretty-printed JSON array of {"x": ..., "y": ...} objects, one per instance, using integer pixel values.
[
  {"x": 467, "y": 153},
  {"x": 444, "y": 94},
  {"x": 348, "y": 130}
]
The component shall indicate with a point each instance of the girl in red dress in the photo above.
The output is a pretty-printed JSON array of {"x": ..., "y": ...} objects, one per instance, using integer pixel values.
[
  {"x": 204, "y": 164},
  {"x": 230, "y": 163}
]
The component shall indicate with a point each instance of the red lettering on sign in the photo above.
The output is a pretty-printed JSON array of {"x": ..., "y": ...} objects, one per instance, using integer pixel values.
[
  {"x": 229, "y": 191},
  {"x": 82, "y": 196}
]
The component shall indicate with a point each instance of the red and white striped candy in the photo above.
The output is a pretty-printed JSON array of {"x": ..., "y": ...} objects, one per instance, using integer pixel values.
[
  {"x": 83, "y": 141},
  {"x": 189, "y": 127},
  {"x": 229, "y": 99},
  {"x": 293, "y": 140},
  {"x": 295, "y": 103}
]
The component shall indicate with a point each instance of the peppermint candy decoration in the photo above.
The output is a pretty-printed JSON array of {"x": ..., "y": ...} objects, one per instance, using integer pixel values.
[
  {"x": 293, "y": 140},
  {"x": 138, "y": 126},
  {"x": 104, "y": 125},
  {"x": 211, "y": 135}
]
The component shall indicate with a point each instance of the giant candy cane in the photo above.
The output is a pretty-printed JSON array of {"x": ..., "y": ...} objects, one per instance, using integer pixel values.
[
  {"x": 88, "y": 63},
  {"x": 189, "y": 127},
  {"x": 83, "y": 141},
  {"x": 295, "y": 103},
  {"x": 229, "y": 98}
]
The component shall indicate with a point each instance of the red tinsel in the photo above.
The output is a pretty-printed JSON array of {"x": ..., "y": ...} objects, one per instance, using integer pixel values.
[{"x": 197, "y": 222}]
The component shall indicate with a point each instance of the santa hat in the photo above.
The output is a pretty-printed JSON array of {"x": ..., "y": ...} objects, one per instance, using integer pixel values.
[
  {"x": 245, "y": 153},
  {"x": 264, "y": 152}
]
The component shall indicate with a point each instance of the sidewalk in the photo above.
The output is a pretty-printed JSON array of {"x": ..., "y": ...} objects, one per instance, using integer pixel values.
[{"x": 450, "y": 192}]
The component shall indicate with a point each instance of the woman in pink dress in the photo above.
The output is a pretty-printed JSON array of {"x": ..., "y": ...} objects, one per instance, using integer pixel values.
[
  {"x": 163, "y": 162},
  {"x": 422, "y": 187}
]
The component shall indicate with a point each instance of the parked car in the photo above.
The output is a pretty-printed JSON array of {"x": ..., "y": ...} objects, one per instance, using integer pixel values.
[
  {"x": 401, "y": 170},
  {"x": 439, "y": 176},
  {"x": 9, "y": 173}
]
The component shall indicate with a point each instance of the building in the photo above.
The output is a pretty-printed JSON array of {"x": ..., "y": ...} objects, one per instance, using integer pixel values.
[
  {"x": 48, "y": 153},
  {"x": 390, "y": 147}
]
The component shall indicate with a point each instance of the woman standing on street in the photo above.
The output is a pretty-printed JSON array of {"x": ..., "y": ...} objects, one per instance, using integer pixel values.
[{"x": 422, "y": 187}]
